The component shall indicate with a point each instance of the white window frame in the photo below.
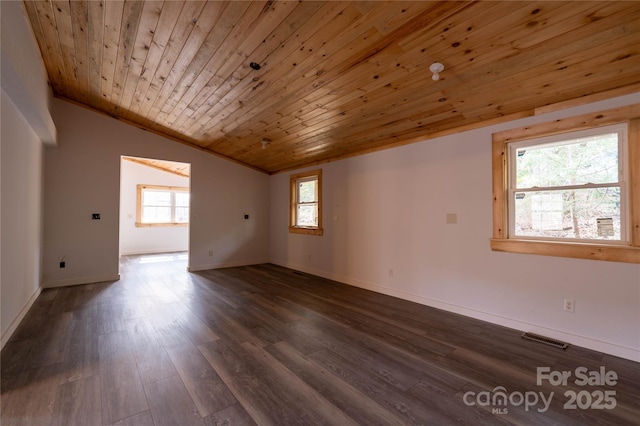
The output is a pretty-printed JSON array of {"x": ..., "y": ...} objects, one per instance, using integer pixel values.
[
  {"x": 621, "y": 129},
  {"x": 294, "y": 184},
  {"x": 593, "y": 250},
  {"x": 172, "y": 190}
]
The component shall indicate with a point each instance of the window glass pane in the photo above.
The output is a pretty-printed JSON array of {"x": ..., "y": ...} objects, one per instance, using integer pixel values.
[
  {"x": 156, "y": 214},
  {"x": 307, "y": 191},
  {"x": 182, "y": 199},
  {"x": 577, "y": 213},
  {"x": 182, "y": 214},
  {"x": 307, "y": 215},
  {"x": 156, "y": 198},
  {"x": 592, "y": 159}
]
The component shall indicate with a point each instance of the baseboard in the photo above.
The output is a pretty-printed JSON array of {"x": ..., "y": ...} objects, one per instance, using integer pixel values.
[
  {"x": 154, "y": 251},
  {"x": 219, "y": 265},
  {"x": 6, "y": 335},
  {"x": 81, "y": 280},
  {"x": 574, "y": 339}
]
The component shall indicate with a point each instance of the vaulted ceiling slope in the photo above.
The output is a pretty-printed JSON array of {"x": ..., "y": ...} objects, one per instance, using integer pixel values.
[{"x": 335, "y": 79}]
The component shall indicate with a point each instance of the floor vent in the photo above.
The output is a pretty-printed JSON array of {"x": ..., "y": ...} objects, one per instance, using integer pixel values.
[{"x": 545, "y": 340}]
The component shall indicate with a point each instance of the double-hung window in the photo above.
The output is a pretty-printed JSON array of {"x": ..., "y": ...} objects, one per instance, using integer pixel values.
[
  {"x": 306, "y": 203},
  {"x": 162, "y": 206},
  {"x": 570, "y": 188}
]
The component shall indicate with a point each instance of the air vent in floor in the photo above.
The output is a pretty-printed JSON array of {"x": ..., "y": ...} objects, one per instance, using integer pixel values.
[{"x": 545, "y": 340}]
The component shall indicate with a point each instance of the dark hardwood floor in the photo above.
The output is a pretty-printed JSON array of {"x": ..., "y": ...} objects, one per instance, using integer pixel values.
[{"x": 270, "y": 346}]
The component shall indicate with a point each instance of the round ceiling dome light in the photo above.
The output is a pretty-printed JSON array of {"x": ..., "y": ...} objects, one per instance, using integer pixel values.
[{"x": 255, "y": 66}]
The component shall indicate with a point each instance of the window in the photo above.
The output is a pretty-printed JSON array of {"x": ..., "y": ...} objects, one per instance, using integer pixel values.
[
  {"x": 570, "y": 188},
  {"x": 306, "y": 203},
  {"x": 162, "y": 206}
]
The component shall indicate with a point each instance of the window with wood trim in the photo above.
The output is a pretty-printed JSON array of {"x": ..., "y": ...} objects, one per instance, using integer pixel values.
[
  {"x": 570, "y": 188},
  {"x": 305, "y": 215},
  {"x": 162, "y": 206}
]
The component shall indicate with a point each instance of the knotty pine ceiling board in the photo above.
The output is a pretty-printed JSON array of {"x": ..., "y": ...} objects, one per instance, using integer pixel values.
[{"x": 335, "y": 78}]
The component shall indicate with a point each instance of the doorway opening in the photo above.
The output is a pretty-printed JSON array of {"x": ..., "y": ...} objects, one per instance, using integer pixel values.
[{"x": 154, "y": 210}]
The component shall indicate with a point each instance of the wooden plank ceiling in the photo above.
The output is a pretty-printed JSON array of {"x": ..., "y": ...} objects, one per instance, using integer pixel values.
[{"x": 336, "y": 79}]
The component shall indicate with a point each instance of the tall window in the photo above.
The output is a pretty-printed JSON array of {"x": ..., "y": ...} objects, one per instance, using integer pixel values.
[
  {"x": 306, "y": 203},
  {"x": 162, "y": 206},
  {"x": 570, "y": 187}
]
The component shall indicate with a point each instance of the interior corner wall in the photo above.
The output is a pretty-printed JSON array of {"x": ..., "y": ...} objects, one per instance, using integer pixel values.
[
  {"x": 385, "y": 229},
  {"x": 82, "y": 176},
  {"x": 26, "y": 125},
  {"x": 21, "y": 218},
  {"x": 147, "y": 239}
]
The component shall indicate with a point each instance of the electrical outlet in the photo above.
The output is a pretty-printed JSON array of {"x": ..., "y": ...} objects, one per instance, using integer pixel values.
[
  {"x": 391, "y": 272},
  {"x": 210, "y": 253},
  {"x": 63, "y": 264},
  {"x": 569, "y": 305}
]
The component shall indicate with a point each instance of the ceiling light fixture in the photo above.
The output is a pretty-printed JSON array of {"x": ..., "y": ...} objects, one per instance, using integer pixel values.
[{"x": 436, "y": 68}]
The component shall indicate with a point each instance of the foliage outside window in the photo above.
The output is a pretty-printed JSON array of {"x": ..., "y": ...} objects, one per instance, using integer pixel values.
[
  {"x": 570, "y": 188},
  {"x": 306, "y": 203},
  {"x": 162, "y": 206}
]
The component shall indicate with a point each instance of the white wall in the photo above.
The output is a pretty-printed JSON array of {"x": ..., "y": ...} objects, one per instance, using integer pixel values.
[
  {"x": 391, "y": 209},
  {"x": 24, "y": 77},
  {"x": 26, "y": 124},
  {"x": 82, "y": 176},
  {"x": 147, "y": 239},
  {"x": 21, "y": 228}
]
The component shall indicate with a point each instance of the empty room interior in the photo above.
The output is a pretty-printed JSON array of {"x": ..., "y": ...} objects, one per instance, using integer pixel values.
[{"x": 320, "y": 212}]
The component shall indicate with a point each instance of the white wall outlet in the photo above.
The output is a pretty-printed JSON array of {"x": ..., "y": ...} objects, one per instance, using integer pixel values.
[
  {"x": 569, "y": 305},
  {"x": 391, "y": 272}
]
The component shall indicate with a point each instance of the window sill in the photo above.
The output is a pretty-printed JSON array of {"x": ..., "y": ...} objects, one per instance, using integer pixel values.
[
  {"x": 608, "y": 252},
  {"x": 147, "y": 225},
  {"x": 306, "y": 231}
]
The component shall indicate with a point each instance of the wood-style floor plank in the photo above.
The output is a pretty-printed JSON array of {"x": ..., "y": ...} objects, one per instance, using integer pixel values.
[
  {"x": 265, "y": 345},
  {"x": 171, "y": 404}
]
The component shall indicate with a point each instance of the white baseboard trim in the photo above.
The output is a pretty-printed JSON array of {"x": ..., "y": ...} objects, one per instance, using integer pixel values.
[
  {"x": 574, "y": 339},
  {"x": 81, "y": 280},
  {"x": 220, "y": 265},
  {"x": 6, "y": 335},
  {"x": 154, "y": 251}
]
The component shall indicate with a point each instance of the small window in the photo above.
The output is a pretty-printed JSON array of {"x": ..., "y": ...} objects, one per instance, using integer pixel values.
[
  {"x": 569, "y": 187},
  {"x": 162, "y": 206},
  {"x": 306, "y": 203}
]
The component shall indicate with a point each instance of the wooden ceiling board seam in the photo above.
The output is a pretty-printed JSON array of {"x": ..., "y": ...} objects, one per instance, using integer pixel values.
[
  {"x": 269, "y": 89},
  {"x": 347, "y": 108},
  {"x": 272, "y": 42},
  {"x": 303, "y": 87},
  {"x": 147, "y": 26},
  {"x": 207, "y": 19},
  {"x": 95, "y": 35},
  {"x": 130, "y": 19},
  {"x": 113, "y": 11},
  {"x": 352, "y": 25},
  {"x": 228, "y": 71},
  {"x": 200, "y": 89},
  {"x": 179, "y": 35},
  {"x": 62, "y": 14},
  {"x": 537, "y": 61},
  {"x": 159, "y": 41},
  {"x": 79, "y": 25},
  {"x": 198, "y": 68},
  {"x": 46, "y": 21},
  {"x": 210, "y": 44}
]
